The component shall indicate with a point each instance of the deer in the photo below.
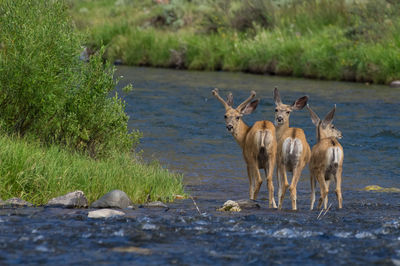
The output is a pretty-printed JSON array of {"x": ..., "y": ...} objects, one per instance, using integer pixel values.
[
  {"x": 293, "y": 151},
  {"x": 327, "y": 155},
  {"x": 258, "y": 142}
]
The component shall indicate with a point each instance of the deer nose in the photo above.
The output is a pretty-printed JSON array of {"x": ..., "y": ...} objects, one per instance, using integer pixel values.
[
  {"x": 279, "y": 119},
  {"x": 229, "y": 127}
]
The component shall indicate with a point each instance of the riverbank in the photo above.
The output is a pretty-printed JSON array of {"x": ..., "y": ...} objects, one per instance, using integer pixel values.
[{"x": 335, "y": 40}]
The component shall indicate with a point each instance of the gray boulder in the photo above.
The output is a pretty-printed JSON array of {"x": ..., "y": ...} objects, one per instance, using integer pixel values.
[
  {"x": 113, "y": 199},
  {"x": 76, "y": 199},
  {"x": 248, "y": 204},
  {"x": 15, "y": 202},
  {"x": 395, "y": 84}
]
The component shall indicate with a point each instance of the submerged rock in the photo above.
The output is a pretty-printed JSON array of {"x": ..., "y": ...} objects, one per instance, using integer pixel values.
[
  {"x": 74, "y": 199},
  {"x": 105, "y": 213},
  {"x": 113, "y": 199},
  {"x": 381, "y": 189},
  {"x": 157, "y": 204},
  {"x": 230, "y": 206},
  {"x": 15, "y": 202},
  {"x": 248, "y": 204}
]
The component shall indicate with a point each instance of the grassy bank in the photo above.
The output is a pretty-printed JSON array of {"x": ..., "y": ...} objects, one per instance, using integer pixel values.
[
  {"x": 325, "y": 39},
  {"x": 37, "y": 174},
  {"x": 71, "y": 125}
]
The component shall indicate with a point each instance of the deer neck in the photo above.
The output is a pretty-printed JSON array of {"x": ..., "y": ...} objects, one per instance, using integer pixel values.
[
  {"x": 281, "y": 129},
  {"x": 240, "y": 133}
]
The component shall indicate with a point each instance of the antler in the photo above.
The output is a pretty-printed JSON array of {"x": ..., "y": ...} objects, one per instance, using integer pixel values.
[
  {"x": 243, "y": 104},
  {"x": 216, "y": 94}
]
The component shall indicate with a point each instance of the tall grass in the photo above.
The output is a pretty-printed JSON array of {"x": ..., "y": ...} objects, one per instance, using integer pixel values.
[
  {"x": 326, "y": 39},
  {"x": 37, "y": 174}
]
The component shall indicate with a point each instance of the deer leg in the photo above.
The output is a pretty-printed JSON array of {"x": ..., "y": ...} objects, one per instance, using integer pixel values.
[
  {"x": 268, "y": 174},
  {"x": 293, "y": 186},
  {"x": 338, "y": 190},
  {"x": 313, "y": 183},
  {"x": 284, "y": 185},
  {"x": 251, "y": 185},
  {"x": 328, "y": 182},
  {"x": 257, "y": 181},
  {"x": 324, "y": 190}
]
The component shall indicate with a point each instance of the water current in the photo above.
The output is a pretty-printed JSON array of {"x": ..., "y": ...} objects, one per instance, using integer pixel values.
[{"x": 183, "y": 128}]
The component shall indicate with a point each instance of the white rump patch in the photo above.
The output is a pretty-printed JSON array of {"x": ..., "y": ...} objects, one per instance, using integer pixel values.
[
  {"x": 334, "y": 155},
  {"x": 292, "y": 150}
]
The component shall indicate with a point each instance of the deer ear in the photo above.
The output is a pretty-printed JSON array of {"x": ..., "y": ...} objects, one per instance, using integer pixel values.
[
  {"x": 329, "y": 117},
  {"x": 277, "y": 97},
  {"x": 314, "y": 117},
  {"x": 229, "y": 99},
  {"x": 250, "y": 107},
  {"x": 300, "y": 103}
]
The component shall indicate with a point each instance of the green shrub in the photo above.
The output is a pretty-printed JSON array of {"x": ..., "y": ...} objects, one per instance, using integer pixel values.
[{"x": 47, "y": 92}]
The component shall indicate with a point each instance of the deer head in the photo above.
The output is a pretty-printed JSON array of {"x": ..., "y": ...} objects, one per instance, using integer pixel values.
[
  {"x": 282, "y": 111},
  {"x": 233, "y": 116},
  {"x": 325, "y": 128}
]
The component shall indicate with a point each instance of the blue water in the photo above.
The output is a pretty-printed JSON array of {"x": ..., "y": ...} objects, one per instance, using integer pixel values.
[{"x": 183, "y": 128}]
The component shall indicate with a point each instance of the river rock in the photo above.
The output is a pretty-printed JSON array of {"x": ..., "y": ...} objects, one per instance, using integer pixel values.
[
  {"x": 105, "y": 213},
  {"x": 74, "y": 199},
  {"x": 230, "y": 206},
  {"x": 395, "y": 84},
  {"x": 113, "y": 199},
  {"x": 16, "y": 202},
  {"x": 248, "y": 204},
  {"x": 157, "y": 204}
]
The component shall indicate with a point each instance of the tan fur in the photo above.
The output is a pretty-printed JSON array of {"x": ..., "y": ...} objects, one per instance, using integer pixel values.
[
  {"x": 258, "y": 144},
  {"x": 289, "y": 155},
  {"x": 323, "y": 166}
]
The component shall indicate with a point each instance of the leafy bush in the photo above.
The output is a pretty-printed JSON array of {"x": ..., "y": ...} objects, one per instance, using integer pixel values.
[{"x": 47, "y": 92}]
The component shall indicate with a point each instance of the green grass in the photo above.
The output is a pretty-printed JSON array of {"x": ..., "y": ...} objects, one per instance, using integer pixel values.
[
  {"x": 37, "y": 174},
  {"x": 324, "y": 39}
]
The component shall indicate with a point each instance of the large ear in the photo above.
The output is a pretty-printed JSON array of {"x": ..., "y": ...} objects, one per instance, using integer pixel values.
[
  {"x": 300, "y": 103},
  {"x": 314, "y": 117},
  {"x": 229, "y": 99},
  {"x": 250, "y": 107},
  {"x": 277, "y": 97},
  {"x": 329, "y": 117}
]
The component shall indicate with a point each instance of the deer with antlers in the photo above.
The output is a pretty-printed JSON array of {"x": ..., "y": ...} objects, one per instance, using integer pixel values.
[
  {"x": 258, "y": 142},
  {"x": 293, "y": 152},
  {"x": 326, "y": 158}
]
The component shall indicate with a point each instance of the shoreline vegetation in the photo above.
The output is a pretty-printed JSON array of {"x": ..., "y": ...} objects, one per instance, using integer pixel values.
[
  {"x": 62, "y": 125},
  {"x": 349, "y": 40}
]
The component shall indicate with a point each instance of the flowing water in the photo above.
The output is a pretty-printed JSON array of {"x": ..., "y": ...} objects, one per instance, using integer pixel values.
[{"x": 184, "y": 129}]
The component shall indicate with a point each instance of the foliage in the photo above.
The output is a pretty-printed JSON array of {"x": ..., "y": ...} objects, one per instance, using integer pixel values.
[
  {"x": 35, "y": 173},
  {"x": 47, "y": 92}
]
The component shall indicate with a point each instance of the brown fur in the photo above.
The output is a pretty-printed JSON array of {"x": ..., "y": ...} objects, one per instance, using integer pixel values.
[{"x": 258, "y": 143}]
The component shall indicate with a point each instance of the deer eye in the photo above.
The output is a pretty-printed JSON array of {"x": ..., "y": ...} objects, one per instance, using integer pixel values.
[
  {"x": 287, "y": 112},
  {"x": 225, "y": 117},
  {"x": 276, "y": 110},
  {"x": 238, "y": 117},
  {"x": 332, "y": 126}
]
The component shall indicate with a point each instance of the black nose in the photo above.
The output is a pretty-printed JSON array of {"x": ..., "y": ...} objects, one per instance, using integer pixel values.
[
  {"x": 279, "y": 119},
  {"x": 229, "y": 127}
]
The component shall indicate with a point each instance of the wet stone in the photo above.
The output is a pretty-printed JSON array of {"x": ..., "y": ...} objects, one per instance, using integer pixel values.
[
  {"x": 231, "y": 206},
  {"x": 113, "y": 199},
  {"x": 105, "y": 213},
  {"x": 156, "y": 204},
  {"x": 15, "y": 202},
  {"x": 246, "y": 204},
  {"x": 76, "y": 199},
  {"x": 395, "y": 84}
]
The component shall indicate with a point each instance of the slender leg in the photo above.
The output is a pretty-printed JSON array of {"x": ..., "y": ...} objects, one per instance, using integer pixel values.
[
  {"x": 257, "y": 180},
  {"x": 251, "y": 185},
  {"x": 284, "y": 184},
  {"x": 268, "y": 174},
  {"x": 293, "y": 186},
  {"x": 279, "y": 186},
  {"x": 323, "y": 188},
  {"x": 339, "y": 186},
  {"x": 312, "y": 181},
  {"x": 327, "y": 182}
]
